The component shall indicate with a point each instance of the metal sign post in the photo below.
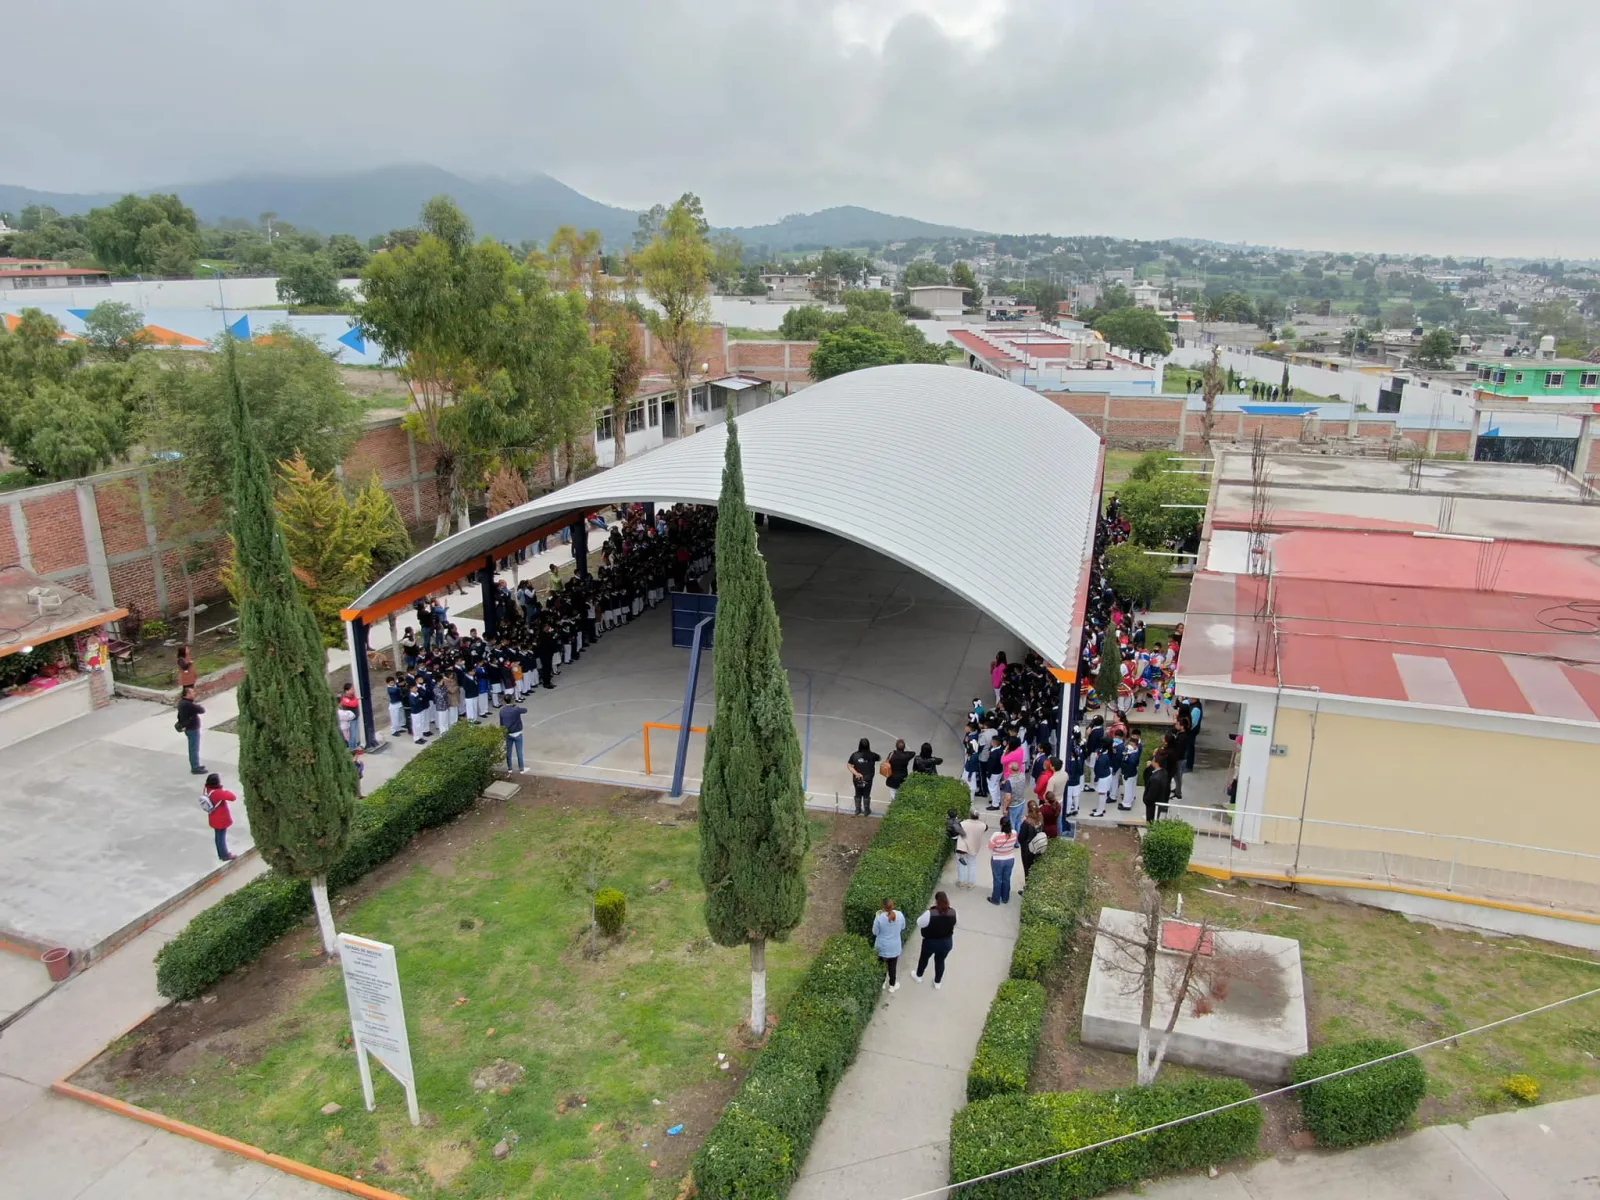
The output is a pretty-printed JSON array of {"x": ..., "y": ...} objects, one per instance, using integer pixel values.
[{"x": 377, "y": 1017}]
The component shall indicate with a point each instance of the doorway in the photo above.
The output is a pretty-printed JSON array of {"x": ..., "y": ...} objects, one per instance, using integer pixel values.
[{"x": 669, "y": 418}]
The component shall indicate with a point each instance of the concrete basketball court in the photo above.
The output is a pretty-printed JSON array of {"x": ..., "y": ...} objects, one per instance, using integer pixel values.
[{"x": 874, "y": 649}]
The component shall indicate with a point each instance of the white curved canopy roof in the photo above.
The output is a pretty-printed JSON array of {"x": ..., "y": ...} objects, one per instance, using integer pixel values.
[{"x": 981, "y": 484}]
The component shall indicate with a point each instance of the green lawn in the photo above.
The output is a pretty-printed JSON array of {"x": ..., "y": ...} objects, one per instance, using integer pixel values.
[
  {"x": 1118, "y": 464},
  {"x": 1371, "y": 973},
  {"x": 492, "y": 968},
  {"x": 741, "y": 333}
]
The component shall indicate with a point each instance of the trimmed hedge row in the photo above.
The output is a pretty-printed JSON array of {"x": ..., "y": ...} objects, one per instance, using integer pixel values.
[
  {"x": 1006, "y": 1131},
  {"x": 908, "y": 853},
  {"x": 1010, "y": 1036},
  {"x": 440, "y": 783},
  {"x": 1364, "y": 1106},
  {"x": 1052, "y": 905},
  {"x": 755, "y": 1151}
]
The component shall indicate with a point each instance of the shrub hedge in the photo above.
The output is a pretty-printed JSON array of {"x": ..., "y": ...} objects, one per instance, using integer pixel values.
[
  {"x": 440, "y": 783},
  {"x": 909, "y": 851},
  {"x": 757, "y": 1147},
  {"x": 1366, "y": 1105},
  {"x": 1052, "y": 905},
  {"x": 1010, "y": 1036},
  {"x": 1005, "y": 1131},
  {"x": 1166, "y": 849}
]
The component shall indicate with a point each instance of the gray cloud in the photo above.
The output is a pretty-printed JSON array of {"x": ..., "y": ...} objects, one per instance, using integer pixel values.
[{"x": 1465, "y": 127}]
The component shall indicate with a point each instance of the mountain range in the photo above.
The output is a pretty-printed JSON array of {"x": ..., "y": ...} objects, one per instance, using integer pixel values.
[{"x": 366, "y": 203}]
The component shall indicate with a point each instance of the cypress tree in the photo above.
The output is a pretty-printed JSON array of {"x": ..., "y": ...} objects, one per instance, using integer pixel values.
[
  {"x": 299, "y": 782},
  {"x": 753, "y": 835},
  {"x": 1109, "y": 677}
]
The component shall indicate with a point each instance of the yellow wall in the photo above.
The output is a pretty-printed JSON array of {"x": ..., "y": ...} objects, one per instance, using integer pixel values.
[{"x": 1439, "y": 779}]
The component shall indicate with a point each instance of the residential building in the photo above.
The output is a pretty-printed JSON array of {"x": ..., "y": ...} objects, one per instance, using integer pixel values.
[
  {"x": 942, "y": 300},
  {"x": 1538, "y": 378},
  {"x": 1055, "y": 358},
  {"x": 1146, "y": 295},
  {"x": 1008, "y": 308},
  {"x": 33, "y": 264},
  {"x": 787, "y": 287},
  {"x": 33, "y": 277},
  {"x": 1392, "y": 645}
]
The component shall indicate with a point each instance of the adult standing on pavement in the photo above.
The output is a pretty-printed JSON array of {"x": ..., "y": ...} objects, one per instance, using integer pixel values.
[
  {"x": 938, "y": 927},
  {"x": 215, "y": 800},
  {"x": 888, "y": 934},
  {"x": 863, "y": 763},
  {"x": 189, "y": 725},
  {"x": 1014, "y": 779},
  {"x": 186, "y": 671},
  {"x": 1002, "y": 858},
  {"x": 1031, "y": 840},
  {"x": 1196, "y": 715},
  {"x": 969, "y": 846},
  {"x": 899, "y": 766},
  {"x": 511, "y": 722},
  {"x": 925, "y": 763},
  {"x": 1157, "y": 789}
]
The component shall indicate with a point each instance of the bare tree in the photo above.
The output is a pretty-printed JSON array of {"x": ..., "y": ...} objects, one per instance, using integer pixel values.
[
  {"x": 1211, "y": 386},
  {"x": 1208, "y": 971}
]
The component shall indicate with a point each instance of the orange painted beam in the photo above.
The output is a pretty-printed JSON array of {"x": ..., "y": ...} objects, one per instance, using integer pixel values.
[
  {"x": 206, "y": 1137},
  {"x": 400, "y": 600}
]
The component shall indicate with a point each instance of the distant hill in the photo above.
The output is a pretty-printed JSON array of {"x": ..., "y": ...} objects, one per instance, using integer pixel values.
[
  {"x": 365, "y": 203},
  {"x": 846, "y": 225}
]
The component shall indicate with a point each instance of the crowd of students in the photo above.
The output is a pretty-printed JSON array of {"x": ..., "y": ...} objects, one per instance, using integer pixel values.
[{"x": 451, "y": 676}]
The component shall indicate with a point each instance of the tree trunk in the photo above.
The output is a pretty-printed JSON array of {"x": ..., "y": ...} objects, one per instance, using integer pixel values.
[
  {"x": 319, "y": 897},
  {"x": 758, "y": 987},
  {"x": 1143, "y": 1071},
  {"x": 619, "y": 435},
  {"x": 394, "y": 642},
  {"x": 188, "y": 595}
]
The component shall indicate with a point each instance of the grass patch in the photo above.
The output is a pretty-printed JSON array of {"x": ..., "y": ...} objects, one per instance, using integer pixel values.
[
  {"x": 1373, "y": 974},
  {"x": 1174, "y": 595},
  {"x": 1118, "y": 464},
  {"x": 743, "y": 333},
  {"x": 493, "y": 972}
]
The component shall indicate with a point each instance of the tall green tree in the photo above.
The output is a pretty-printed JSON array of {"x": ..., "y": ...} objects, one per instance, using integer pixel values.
[
  {"x": 853, "y": 349},
  {"x": 1108, "y": 678},
  {"x": 154, "y": 234},
  {"x": 1437, "y": 349},
  {"x": 298, "y": 404},
  {"x": 115, "y": 330},
  {"x": 961, "y": 275},
  {"x": 1135, "y": 329},
  {"x": 753, "y": 835},
  {"x": 436, "y": 306},
  {"x": 310, "y": 279},
  {"x": 296, "y": 773},
  {"x": 676, "y": 270}
]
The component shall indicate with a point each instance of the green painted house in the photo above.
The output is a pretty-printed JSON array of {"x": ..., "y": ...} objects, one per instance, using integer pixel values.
[{"x": 1539, "y": 378}]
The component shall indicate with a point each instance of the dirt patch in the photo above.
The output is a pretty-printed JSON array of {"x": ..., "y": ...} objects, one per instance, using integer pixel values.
[
  {"x": 1063, "y": 1063},
  {"x": 444, "y": 1162},
  {"x": 499, "y": 1076}
]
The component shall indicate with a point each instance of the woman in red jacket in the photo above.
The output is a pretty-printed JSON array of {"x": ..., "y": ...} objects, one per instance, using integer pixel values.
[{"x": 215, "y": 801}]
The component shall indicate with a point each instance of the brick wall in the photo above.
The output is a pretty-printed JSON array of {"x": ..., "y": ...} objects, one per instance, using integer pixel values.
[
  {"x": 783, "y": 363},
  {"x": 99, "y": 535}
]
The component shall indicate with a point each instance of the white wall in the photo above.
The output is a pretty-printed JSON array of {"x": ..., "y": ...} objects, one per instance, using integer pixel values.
[
  {"x": 1346, "y": 385},
  {"x": 168, "y": 293}
]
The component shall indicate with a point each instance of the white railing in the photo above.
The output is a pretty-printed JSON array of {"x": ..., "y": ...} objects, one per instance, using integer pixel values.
[{"x": 1405, "y": 859}]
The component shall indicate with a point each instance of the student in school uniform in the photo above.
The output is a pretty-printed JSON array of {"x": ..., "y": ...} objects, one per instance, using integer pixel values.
[
  {"x": 419, "y": 702},
  {"x": 1106, "y": 776},
  {"x": 1128, "y": 768},
  {"x": 397, "y": 706}
]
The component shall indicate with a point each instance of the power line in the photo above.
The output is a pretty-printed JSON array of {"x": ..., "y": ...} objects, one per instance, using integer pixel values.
[{"x": 1283, "y": 1091}]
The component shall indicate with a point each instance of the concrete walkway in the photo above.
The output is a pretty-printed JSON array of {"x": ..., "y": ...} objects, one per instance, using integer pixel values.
[
  {"x": 1547, "y": 1153},
  {"x": 887, "y": 1130}
]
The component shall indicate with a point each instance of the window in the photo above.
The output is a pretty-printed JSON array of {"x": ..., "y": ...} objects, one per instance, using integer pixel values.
[
  {"x": 1589, "y": 379},
  {"x": 634, "y": 421},
  {"x": 1519, "y": 377},
  {"x": 1555, "y": 378},
  {"x": 654, "y": 405},
  {"x": 698, "y": 398},
  {"x": 1483, "y": 373},
  {"x": 719, "y": 399},
  {"x": 1499, "y": 377},
  {"x": 602, "y": 428}
]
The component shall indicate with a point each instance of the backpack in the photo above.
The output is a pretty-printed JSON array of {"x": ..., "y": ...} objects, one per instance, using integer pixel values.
[
  {"x": 952, "y": 827},
  {"x": 1039, "y": 844},
  {"x": 207, "y": 805}
]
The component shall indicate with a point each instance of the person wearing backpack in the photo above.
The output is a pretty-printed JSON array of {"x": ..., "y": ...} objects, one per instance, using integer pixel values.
[
  {"x": 214, "y": 803},
  {"x": 969, "y": 846}
]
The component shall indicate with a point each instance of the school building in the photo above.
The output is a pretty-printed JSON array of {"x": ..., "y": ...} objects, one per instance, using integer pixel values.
[{"x": 1414, "y": 650}]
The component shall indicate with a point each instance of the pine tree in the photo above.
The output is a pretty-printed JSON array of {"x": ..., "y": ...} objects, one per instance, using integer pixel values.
[
  {"x": 299, "y": 783},
  {"x": 1109, "y": 677},
  {"x": 753, "y": 835}
]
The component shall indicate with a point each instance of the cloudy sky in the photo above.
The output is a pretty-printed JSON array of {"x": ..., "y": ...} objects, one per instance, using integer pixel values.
[{"x": 1462, "y": 126}]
